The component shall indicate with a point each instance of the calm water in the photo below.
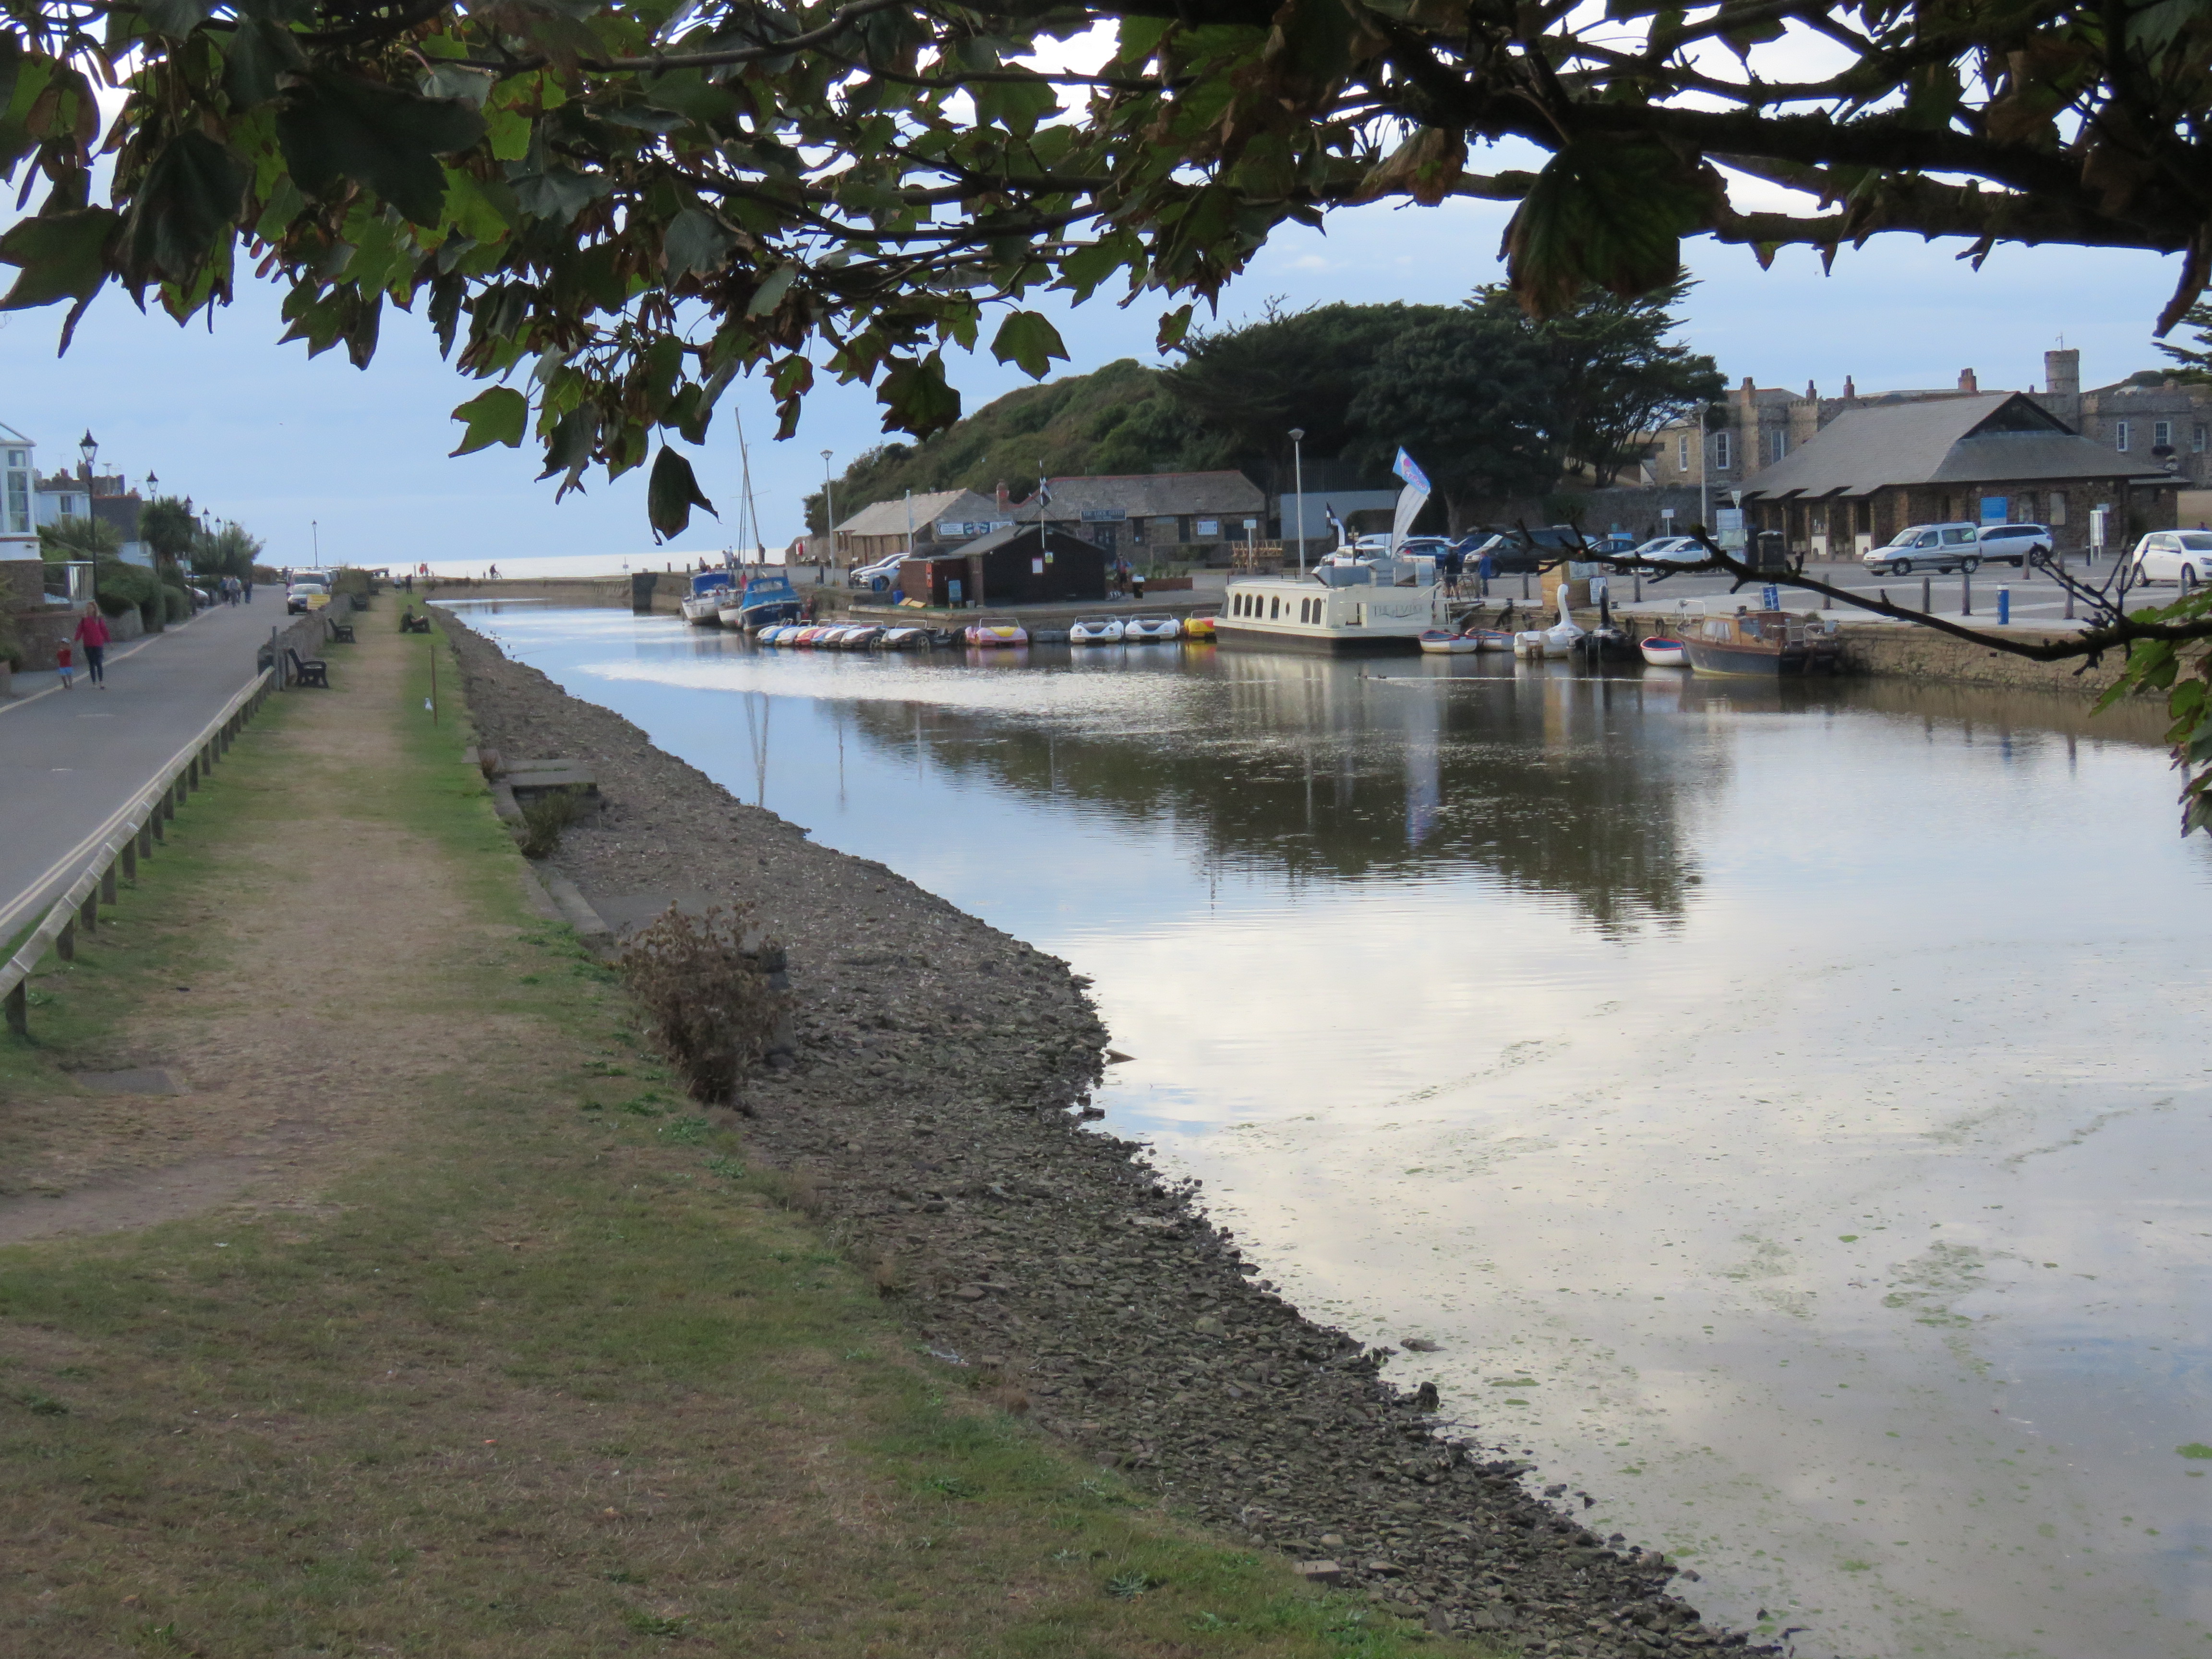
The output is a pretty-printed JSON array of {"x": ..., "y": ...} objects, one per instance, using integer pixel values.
[{"x": 1786, "y": 1107}]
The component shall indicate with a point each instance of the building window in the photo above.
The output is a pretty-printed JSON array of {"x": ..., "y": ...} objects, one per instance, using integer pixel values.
[
  {"x": 2196, "y": 437},
  {"x": 18, "y": 504},
  {"x": 2057, "y": 507},
  {"x": 1682, "y": 451},
  {"x": 1777, "y": 446},
  {"x": 2161, "y": 434},
  {"x": 1721, "y": 443},
  {"x": 2120, "y": 436}
]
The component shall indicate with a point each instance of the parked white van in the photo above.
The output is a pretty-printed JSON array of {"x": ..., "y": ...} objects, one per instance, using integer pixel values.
[
  {"x": 2173, "y": 556},
  {"x": 1945, "y": 547}
]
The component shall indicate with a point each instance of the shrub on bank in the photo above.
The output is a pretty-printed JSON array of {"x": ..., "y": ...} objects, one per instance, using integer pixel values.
[
  {"x": 118, "y": 587},
  {"x": 709, "y": 999}
]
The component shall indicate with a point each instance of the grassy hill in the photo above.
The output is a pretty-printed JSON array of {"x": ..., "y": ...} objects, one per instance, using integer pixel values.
[{"x": 1116, "y": 419}]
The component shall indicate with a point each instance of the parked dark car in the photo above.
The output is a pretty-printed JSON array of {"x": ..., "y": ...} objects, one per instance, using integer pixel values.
[{"x": 1512, "y": 552}]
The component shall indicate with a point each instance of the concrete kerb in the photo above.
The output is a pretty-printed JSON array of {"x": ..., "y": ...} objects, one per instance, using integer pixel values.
[{"x": 117, "y": 843}]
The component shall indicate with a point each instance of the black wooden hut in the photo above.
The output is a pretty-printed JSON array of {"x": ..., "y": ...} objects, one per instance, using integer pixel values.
[{"x": 1021, "y": 564}]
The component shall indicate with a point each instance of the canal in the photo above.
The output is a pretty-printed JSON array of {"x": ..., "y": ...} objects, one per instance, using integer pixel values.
[{"x": 1783, "y": 1107}]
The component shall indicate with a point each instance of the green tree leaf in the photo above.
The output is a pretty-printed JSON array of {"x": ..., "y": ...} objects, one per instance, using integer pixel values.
[
  {"x": 63, "y": 256},
  {"x": 916, "y": 398},
  {"x": 259, "y": 52},
  {"x": 497, "y": 416},
  {"x": 670, "y": 493},
  {"x": 191, "y": 197},
  {"x": 696, "y": 241},
  {"x": 1029, "y": 341},
  {"x": 335, "y": 126},
  {"x": 1604, "y": 214}
]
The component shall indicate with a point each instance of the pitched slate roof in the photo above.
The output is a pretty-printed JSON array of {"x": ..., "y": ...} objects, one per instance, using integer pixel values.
[
  {"x": 1996, "y": 437},
  {"x": 998, "y": 538},
  {"x": 1153, "y": 496},
  {"x": 889, "y": 518}
]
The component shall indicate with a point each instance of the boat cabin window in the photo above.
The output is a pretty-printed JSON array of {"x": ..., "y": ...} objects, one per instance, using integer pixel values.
[{"x": 1274, "y": 609}]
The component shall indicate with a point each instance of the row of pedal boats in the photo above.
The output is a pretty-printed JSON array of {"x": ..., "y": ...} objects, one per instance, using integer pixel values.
[
  {"x": 1539, "y": 643},
  {"x": 985, "y": 632}
]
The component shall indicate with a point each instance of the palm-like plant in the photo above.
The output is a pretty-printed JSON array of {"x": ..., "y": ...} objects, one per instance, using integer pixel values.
[
  {"x": 166, "y": 524},
  {"x": 71, "y": 538}
]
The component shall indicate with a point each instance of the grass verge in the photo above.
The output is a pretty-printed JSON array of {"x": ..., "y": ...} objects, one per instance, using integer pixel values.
[{"x": 522, "y": 1358}]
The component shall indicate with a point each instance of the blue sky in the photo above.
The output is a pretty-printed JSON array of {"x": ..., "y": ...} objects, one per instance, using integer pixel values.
[{"x": 299, "y": 450}]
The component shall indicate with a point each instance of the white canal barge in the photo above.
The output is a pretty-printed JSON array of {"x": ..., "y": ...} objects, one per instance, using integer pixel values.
[{"x": 1350, "y": 602}]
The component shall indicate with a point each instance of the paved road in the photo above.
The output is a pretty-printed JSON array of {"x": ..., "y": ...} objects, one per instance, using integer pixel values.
[{"x": 68, "y": 759}]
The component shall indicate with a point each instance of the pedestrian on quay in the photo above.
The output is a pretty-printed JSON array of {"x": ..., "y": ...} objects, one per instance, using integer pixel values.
[
  {"x": 62, "y": 662},
  {"x": 92, "y": 635},
  {"x": 247, "y": 582}
]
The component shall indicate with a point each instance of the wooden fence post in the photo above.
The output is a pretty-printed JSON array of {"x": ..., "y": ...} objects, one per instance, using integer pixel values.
[
  {"x": 65, "y": 941},
  {"x": 107, "y": 883},
  {"x": 19, "y": 1018},
  {"x": 131, "y": 860},
  {"x": 89, "y": 911}
]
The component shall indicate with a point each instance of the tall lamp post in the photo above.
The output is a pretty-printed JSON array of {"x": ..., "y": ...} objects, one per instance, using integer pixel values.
[
  {"x": 828, "y": 511},
  {"x": 88, "y": 450},
  {"x": 1298, "y": 488}
]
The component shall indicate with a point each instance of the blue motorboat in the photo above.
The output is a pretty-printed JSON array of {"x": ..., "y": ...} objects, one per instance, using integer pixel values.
[{"x": 767, "y": 598}]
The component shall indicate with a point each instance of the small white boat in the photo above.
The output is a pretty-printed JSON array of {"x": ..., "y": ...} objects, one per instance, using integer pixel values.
[
  {"x": 1663, "y": 653},
  {"x": 1144, "y": 630},
  {"x": 1443, "y": 643},
  {"x": 997, "y": 630},
  {"x": 1095, "y": 630},
  {"x": 903, "y": 639},
  {"x": 860, "y": 638},
  {"x": 1491, "y": 639}
]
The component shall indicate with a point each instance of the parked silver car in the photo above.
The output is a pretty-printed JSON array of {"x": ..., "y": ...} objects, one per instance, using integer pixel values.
[
  {"x": 2014, "y": 544},
  {"x": 1944, "y": 547}
]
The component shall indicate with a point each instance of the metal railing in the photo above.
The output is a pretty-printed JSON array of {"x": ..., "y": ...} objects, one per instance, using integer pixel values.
[{"x": 112, "y": 851}]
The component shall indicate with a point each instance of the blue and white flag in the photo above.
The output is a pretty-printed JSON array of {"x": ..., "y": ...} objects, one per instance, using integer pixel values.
[{"x": 1411, "y": 500}]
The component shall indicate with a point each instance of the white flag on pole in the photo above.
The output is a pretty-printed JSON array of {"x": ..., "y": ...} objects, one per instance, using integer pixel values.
[{"x": 1411, "y": 500}]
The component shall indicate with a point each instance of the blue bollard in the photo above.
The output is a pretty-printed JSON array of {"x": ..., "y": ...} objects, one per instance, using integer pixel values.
[{"x": 2004, "y": 607}]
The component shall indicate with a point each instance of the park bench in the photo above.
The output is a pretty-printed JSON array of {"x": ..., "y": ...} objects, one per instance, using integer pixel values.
[
  {"x": 308, "y": 671},
  {"x": 340, "y": 632}
]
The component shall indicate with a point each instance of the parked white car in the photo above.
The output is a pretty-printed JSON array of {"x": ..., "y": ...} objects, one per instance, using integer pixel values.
[
  {"x": 878, "y": 576},
  {"x": 1669, "y": 550},
  {"x": 2015, "y": 543},
  {"x": 1944, "y": 547},
  {"x": 2172, "y": 556}
]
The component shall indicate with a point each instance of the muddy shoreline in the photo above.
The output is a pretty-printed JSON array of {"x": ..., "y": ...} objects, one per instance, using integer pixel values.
[{"x": 933, "y": 1100}]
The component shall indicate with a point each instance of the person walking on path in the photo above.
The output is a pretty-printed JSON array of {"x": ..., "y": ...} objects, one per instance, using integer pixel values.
[
  {"x": 246, "y": 581},
  {"x": 92, "y": 635},
  {"x": 62, "y": 662}
]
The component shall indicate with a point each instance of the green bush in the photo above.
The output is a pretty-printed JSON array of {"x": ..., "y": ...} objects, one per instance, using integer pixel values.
[
  {"x": 119, "y": 587},
  {"x": 179, "y": 604},
  {"x": 11, "y": 643}
]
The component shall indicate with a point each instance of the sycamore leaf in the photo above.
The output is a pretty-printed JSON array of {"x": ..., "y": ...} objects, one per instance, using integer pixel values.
[
  {"x": 335, "y": 126},
  {"x": 62, "y": 254},
  {"x": 174, "y": 18},
  {"x": 671, "y": 493},
  {"x": 915, "y": 397},
  {"x": 256, "y": 55},
  {"x": 1031, "y": 340},
  {"x": 498, "y": 416},
  {"x": 191, "y": 197},
  {"x": 1607, "y": 213},
  {"x": 772, "y": 290},
  {"x": 1425, "y": 167},
  {"x": 696, "y": 241}
]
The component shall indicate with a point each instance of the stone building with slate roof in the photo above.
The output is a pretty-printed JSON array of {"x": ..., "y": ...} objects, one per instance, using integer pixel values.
[
  {"x": 1979, "y": 457},
  {"x": 1149, "y": 517},
  {"x": 941, "y": 518}
]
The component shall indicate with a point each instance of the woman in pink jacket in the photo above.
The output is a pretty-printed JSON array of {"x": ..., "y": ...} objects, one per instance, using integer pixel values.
[{"x": 92, "y": 635}]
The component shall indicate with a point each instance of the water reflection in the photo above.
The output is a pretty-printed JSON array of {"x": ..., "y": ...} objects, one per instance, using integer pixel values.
[{"x": 1794, "y": 1092}]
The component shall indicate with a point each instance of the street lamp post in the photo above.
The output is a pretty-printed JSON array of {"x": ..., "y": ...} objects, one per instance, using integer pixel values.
[
  {"x": 87, "y": 449},
  {"x": 315, "y": 530},
  {"x": 1298, "y": 488},
  {"x": 828, "y": 511}
]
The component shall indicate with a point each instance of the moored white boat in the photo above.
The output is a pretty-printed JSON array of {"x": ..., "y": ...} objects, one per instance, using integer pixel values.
[
  {"x": 1147, "y": 630},
  {"x": 1663, "y": 653},
  {"x": 1095, "y": 630},
  {"x": 1442, "y": 641},
  {"x": 1350, "y": 602},
  {"x": 903, "y": 639}
]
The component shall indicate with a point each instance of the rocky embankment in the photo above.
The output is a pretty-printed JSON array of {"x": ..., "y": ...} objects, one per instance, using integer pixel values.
[{"x": 934, "y": 1101}]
